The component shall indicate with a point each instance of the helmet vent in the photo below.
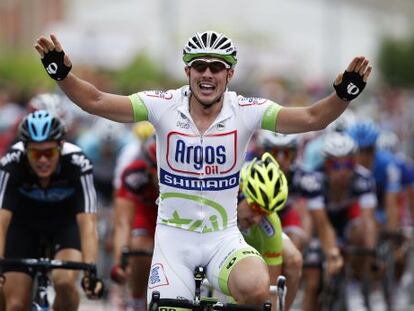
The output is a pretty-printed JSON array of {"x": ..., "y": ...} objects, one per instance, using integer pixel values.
[
  {"x": 271, "y": 174},
  {"x": 213, "y": 37},
  {"x": 44, "y": 129},
  {"x": 265, "y": 197},
  {"x": 277, "y": 185},
  {"x": 251, "y": 188},
  {"x": 192, "y": 45},
  {"x": 204, "y": 39},
  {"x": 33, "y": 129}
]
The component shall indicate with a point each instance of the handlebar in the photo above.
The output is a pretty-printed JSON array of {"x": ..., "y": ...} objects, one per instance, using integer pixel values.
[
  {"x": 272, "y": 289},
  {"x": 47, "y": 264},
  {"x": 157, "y": 303}
]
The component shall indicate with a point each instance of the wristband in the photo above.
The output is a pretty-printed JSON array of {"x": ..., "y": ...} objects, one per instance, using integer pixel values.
[
  {"x": 351, "y": 86},
  {"x": 53, "y": 61}
]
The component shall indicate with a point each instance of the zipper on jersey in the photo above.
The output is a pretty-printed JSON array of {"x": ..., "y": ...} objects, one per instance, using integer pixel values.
[{"x": 202, "y": 176}]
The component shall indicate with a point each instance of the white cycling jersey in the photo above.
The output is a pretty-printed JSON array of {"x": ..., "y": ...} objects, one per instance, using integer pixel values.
[{"x": 199, "y": 173}]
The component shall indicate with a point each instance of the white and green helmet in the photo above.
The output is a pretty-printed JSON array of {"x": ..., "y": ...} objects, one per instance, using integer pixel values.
[{"x": 210, "y": 43}]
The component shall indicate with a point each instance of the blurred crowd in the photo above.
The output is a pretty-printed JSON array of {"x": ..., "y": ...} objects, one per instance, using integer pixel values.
[{"x": 112, "y": 146}]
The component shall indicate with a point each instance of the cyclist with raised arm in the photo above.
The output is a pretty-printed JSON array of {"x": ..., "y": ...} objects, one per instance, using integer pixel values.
[
  {"x": 47, "y": 203},
  {"x": 203, "y": 131},
  {"x": 135, "y": 220}
]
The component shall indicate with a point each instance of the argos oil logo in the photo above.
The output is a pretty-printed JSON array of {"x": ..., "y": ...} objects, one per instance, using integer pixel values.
[{"x": 206, "y": 156}]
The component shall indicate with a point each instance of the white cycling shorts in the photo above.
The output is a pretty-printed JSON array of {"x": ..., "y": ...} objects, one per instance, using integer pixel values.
[{"x": 177, "y": 252}]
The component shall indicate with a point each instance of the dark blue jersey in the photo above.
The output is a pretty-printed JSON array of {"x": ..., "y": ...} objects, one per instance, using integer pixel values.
[
  {"x": 315, "y": 188},
  {"x": 70, "y": 191}
]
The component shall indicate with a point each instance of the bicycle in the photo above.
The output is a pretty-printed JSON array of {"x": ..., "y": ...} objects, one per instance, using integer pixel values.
[
  {"x": 383, "y": 260},
  {"x": 331, "y": 292},
  {"x": 199, "y": 277},
  {"x": 42, "y": 267},
  {"x": 388, "y": 244},
  {"x": 199, "y": 303}
]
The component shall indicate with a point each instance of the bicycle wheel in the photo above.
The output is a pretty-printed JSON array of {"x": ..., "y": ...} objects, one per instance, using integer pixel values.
[
  {"x": 388, "y": 281},
  {"x": 334, "y": 296}
]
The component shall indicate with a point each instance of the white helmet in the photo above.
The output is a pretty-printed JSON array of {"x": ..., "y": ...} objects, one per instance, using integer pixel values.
[
  {"x": 388, "y": 140},
  {"x": 337, "y": 144},
  {"x": 345, "y": 120},
  {"x": 210, "y": 43},
  {"x": 269, "y": 139},
  {"x": 54, "y": 104},
  {"x": 109, "y": 131}
]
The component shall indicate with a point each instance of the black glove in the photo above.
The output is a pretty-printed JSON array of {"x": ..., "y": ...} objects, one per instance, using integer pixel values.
[
  {"x": 54, "y": 65},
  {"x": 351, "y": 86},
  {"x": 92, "y": 286}
]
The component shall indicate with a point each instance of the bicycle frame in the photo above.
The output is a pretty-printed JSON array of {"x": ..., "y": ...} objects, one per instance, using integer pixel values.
[{"x": 41, "y": 301}]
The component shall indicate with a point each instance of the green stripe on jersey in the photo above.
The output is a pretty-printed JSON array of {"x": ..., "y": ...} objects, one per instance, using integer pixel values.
[
  {"x": 138, "y": 107},
  {"x": 270, "y": 117}
]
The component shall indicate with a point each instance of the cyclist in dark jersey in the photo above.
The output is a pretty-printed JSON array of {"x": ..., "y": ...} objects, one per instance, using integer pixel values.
[
  {"x": 47, "y": 208},
  {"x": 340, "y": 197},
  {"x": 389, "y": 141},
  {"x": 383, "y": 166}
]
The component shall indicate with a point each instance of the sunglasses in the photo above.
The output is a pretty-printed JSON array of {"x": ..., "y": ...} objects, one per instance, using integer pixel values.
[
  {"x": 49, "y": 153},
  {"x": 370, "y": 149},
  {"x": 215, "y": 66},
  {"x": 257, "y": 209},
  {"x": 335, "y": 165}
]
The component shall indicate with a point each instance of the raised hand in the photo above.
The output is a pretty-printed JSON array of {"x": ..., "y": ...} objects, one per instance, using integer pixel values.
[
  {"x": 349, "y": 84},
  {"x": 54, "y": 59}
]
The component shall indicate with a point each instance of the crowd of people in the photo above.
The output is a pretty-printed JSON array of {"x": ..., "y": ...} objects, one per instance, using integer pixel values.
[{"x": 192, "y": 188}]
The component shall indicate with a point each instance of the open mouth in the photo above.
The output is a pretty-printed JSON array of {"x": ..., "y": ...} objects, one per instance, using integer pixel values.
[{"x": 206, "y": 88}]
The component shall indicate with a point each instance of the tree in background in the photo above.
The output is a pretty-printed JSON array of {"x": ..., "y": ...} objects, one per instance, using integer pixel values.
[{"x": 396, "y": 63}]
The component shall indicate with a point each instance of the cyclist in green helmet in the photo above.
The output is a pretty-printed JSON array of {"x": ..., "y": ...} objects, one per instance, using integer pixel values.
[{"x": 264, "y": 191}]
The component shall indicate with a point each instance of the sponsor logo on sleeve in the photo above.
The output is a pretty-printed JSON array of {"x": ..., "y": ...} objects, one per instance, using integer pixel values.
[
  {"x": 250, "y": 101},
  {"x": 157, "y": 276},
  {"x": 159, "y": 94},
  {"x": 10, "y": 157},
  {"x": 81, "y": 161},
  {"x": 267, "y": 227}
]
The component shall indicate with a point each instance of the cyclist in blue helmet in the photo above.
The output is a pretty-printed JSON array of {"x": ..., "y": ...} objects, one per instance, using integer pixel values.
[
  {"x": 384, "y": 167},
  {"x": 47, "y": 209},
  {"x": 388, "y": 140},
  {"x": 41, "y": 126},
  {"x": 365, "y": 133}
]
